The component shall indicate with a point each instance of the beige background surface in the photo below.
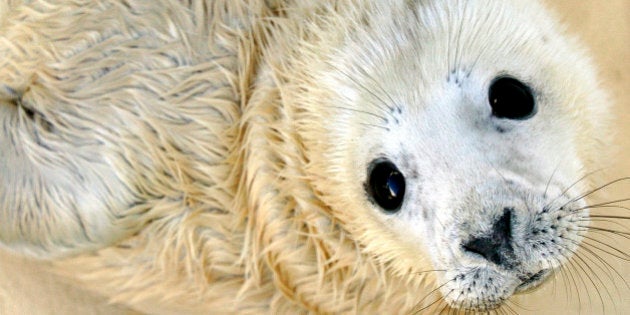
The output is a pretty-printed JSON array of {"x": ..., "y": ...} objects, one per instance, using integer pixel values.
[{"x": 604, "y": 26}]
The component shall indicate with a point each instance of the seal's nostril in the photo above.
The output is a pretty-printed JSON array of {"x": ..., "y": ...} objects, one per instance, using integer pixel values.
[
  {"x": 476, "y": 248},
  {"x": 496, "y": 246}
]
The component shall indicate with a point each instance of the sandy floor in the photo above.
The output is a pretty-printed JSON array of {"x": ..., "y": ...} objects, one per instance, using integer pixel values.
[{"x": 605, "y": 28}]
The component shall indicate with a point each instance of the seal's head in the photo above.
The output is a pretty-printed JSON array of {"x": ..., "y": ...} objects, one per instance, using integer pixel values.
[{"x": 457, "y": 132}]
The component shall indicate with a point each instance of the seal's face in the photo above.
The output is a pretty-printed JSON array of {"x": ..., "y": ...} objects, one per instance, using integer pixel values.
[
  {"x": 461, "y": 132},
  {"x": 470, "y": 182},
  {"x": 445, "y": 133}
]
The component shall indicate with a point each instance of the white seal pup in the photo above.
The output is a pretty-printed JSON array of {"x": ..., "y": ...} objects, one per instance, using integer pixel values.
[{"x": 292, "y": 156}]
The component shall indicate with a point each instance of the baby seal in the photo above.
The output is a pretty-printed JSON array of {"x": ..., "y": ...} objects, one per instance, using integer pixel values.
[{"x": 296, "y": 156}]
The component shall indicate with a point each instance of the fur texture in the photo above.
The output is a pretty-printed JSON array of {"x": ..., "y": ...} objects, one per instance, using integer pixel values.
[{"x": 210, "y": 156}]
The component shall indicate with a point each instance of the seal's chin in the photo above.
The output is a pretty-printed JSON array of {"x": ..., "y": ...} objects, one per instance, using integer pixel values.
[
  {"x": 487, "y": 288},
  {"x": 530, "y": 283}
]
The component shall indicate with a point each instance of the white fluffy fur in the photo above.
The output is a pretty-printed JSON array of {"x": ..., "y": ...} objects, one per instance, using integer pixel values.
[{"x": 210, "y": 156}]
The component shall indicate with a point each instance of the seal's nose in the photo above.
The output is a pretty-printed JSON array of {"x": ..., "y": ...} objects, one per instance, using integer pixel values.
[{"x": 497, "y": 245}]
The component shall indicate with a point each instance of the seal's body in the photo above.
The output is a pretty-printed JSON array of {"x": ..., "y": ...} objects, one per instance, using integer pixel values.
[{"x": 222, "y": 156}]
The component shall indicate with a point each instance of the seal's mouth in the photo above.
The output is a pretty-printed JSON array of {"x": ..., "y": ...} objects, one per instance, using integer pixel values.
[{"x": 533, "y": 281}]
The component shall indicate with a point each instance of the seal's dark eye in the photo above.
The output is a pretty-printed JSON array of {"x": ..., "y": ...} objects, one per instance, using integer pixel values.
[
  {"x": 511, "y": 99},
  {"x": 386, "y": 185}
]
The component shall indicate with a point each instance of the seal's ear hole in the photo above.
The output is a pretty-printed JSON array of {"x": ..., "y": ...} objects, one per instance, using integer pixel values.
[
  {"x": 511, "y": 99},
  {"x": 386, "y": 185}
]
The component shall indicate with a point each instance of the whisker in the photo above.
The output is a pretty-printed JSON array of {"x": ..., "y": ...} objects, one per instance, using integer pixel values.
[
  {"x": 565, "y": 280},
  {"x": 608, "y": 266},
  {"x": 383, "y": 118},
  {"x": 572, "y": 185},
  {"x": 623, "y": 256},
  {"x": 600, "y": 229},
  {"x": 380, "y": 87},
  {"x": 586, "y": 243},
  {"x": 458, "y": 37},
  {"x": 518, "y": 305},
  {"x": 554, "y": 279},
  {"x": 439, "y": 299},
  {"x": 430, "y": 293},
  {"x": 457, "y": 303},
  {"x": 366, "y": 89},
  {"x": 551, "y": 177},
  {"x": 427, "y": 271},
  {"x": 377, "y": 126},
  {"x": 609, "y": 206},
  {"x": 569, "y": 270},
  {"x": 509, "y": 308},
  {"x": 588, "y": 275},
  {"x": 620, "y": 217},
  {"x": 487, "y": 20},
  {"x": 598, "y": 220},
  {"x": 607, "y": 203},
  {"x": 581, "y": 278},
  {"x": 598, "y": 189}
]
